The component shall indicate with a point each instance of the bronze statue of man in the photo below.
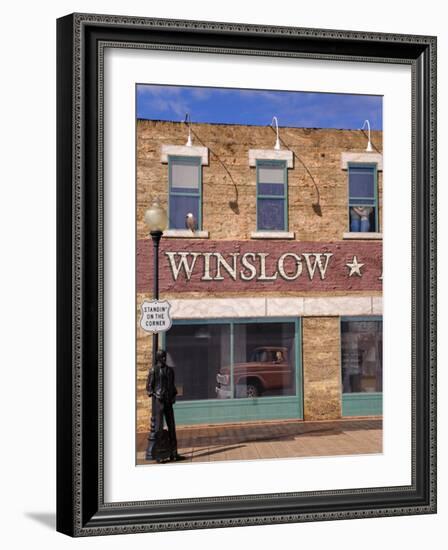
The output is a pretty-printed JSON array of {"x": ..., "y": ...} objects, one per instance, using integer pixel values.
[{"x": 161, "y": 387}]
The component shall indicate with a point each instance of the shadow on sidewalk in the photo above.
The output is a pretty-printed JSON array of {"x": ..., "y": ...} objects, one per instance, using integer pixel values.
[{"x": 234, "y": 435}]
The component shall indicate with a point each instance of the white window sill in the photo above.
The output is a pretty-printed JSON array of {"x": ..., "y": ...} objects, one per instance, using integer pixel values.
[
  {"x": 362, "y": 235},
  {"x": 185, "y": 234},
  {"x": 272, "y": 235}
]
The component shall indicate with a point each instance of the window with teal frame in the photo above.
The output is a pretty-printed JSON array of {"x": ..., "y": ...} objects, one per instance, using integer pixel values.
[
  {"x": 363, "y": 198},
  {"x": 272, "y": 195},
  {"x": 362, "y": 365},
  {"x": 235, "y": 369},
  {"x": 185, "y": 191}
]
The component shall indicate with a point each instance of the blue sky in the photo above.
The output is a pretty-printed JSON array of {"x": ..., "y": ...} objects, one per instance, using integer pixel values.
[{"x": 238, "y": 106}]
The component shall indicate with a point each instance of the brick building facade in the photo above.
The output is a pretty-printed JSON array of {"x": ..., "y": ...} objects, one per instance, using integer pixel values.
[{"x": 277, "y": 264}]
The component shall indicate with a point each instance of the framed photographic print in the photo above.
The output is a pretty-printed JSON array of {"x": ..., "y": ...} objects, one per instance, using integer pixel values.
[{"x": 246, "y": 274}]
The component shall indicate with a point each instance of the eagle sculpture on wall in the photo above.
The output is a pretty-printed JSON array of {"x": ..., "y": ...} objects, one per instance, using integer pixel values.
[{"x": 190, "y": 222}]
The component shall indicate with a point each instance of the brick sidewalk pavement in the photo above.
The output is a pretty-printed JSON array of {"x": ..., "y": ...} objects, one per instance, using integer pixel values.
[{"x": 274, "y": 439}]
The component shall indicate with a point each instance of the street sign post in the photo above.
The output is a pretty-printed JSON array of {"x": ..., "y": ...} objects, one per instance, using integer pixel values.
[{"x": 155, "y": 316}]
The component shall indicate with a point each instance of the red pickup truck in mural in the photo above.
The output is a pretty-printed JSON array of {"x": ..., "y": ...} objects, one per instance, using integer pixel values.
[{"x": 269, "y": 369}]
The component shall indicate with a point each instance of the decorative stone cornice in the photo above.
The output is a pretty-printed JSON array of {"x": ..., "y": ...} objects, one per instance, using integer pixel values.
[
  {"x": 313, "y": 306},
  {"x": 271, "y": 154},
  {"x": 362, "y": 157},
  {"x": 184, "y": 151}
]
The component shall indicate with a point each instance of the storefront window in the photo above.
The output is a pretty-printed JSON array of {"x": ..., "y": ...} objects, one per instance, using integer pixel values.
[
  {"x": 233, "y": 360},
  {"x": 264, "y": 359},
  {"x": 362, "y": 356},
  {"x": 197, "y": 353}
]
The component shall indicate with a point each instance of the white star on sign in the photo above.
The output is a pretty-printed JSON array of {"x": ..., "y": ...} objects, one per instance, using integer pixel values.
[{"x": 355, "y": 267}]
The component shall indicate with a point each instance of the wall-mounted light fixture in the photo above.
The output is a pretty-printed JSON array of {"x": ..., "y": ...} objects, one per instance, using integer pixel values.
[
  {"x": 369, "y": 147},
  {"x": 277, "y": 141},
  {"x": 188, "y": 122}
]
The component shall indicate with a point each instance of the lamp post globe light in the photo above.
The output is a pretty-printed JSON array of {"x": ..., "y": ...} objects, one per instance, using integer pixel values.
[{"x": 157, "y": 220}]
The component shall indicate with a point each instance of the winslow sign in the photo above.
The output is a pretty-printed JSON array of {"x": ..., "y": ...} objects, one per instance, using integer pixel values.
[
  {"x": 249, "y": 266},
  {"x": 196, "y": 265}
]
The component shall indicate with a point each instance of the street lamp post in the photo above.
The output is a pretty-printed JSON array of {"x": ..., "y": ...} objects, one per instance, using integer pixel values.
[{"x": 156, "y": 220}]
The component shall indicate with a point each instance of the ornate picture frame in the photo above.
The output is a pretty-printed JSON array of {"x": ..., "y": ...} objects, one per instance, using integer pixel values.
[{"x": 81, "y": 507}]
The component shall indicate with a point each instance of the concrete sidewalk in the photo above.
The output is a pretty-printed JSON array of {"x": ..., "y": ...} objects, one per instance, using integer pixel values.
[{"x": 274, "y": 439}]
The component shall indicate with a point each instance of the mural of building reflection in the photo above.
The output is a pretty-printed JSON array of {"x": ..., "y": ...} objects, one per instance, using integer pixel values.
[{"x": 272, "y": 264}]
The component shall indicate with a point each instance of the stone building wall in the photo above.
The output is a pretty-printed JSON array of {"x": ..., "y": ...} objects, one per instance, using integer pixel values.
[
  {"x": 318, "y": 212},
  {"x": 321, "y": 368},
  {"x": 229, "y": 183}
]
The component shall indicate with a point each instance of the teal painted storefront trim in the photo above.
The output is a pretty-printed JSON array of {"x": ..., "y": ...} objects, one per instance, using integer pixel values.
[
  {"x": 362, "y": 404},
  {"x": 243, "y": 409},
  {"x": 232, "y": 357},
  {"x": 211, "y": 411}
]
